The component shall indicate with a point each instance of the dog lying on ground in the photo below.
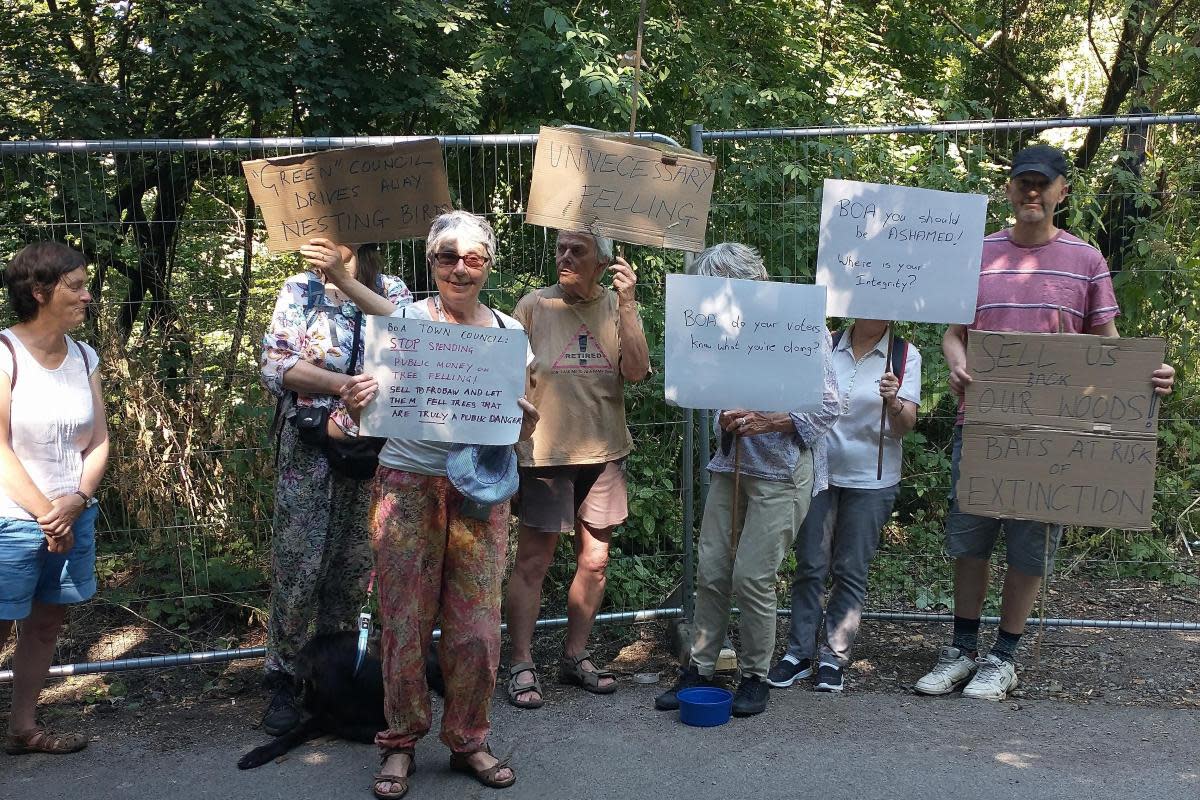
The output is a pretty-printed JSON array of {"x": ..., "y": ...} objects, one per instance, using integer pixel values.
[{"x": 336, "y": 701}]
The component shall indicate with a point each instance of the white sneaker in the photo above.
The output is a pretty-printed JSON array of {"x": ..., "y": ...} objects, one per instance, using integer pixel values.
[
  {"x": 994, "y": 680},
  {"x": 953, "y": 669}
]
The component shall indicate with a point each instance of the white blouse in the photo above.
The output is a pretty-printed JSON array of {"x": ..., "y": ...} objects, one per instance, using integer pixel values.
[{"x": 52, "y": 417}]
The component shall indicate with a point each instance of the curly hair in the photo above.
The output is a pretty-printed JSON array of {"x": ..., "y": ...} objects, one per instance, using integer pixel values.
[{"x": 37, "y": 267}]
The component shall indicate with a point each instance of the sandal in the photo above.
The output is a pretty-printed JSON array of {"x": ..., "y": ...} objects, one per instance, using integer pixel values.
[
  {"x": 459, "y": 763},
  {"x": 40, "y": 740},
  {"x": 514, "y": 690},
  {"x": 570, "y": 672},
  {"x": 392, "y": 778}
]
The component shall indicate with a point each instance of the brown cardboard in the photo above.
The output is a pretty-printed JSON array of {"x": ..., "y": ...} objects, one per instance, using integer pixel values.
[
  {"x": 1060, "y": 428},
  {"x": 352, "y": 195},
  {"x": 622, "y": 188}
]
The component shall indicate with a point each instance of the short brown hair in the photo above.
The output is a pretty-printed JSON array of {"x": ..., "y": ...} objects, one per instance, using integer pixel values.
[{"x": 37, "y": 267}]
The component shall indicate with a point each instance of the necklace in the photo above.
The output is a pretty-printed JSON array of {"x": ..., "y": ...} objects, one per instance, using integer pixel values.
[{"x": 437, "y": 304}]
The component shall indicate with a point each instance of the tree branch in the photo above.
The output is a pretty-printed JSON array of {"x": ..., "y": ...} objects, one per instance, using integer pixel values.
[
  {"x": 1092, "y": 41},
  {"x": 1054, "y": 106}
]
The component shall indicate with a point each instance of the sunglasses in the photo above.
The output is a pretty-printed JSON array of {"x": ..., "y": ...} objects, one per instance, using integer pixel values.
[{"x": 448, "y": 258}]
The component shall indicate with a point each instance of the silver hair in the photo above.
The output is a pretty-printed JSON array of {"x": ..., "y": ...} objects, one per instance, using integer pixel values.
[
  {"x": 604, "y": 246},
  {"x": 731, "y": 260},
  {"x": 461, "y": 225}
]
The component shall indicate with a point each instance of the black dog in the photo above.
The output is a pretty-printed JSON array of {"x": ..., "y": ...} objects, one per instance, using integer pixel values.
[{"x": 338, "y": 701}]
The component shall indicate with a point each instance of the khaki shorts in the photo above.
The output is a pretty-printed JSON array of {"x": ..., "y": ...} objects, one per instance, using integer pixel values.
[{"x": 552, "y": 498}]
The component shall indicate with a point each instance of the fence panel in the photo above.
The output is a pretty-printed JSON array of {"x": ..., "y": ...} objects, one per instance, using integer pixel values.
[
  {"x": 184, "y": 289},
  {"x": 1136, "y": 199}
]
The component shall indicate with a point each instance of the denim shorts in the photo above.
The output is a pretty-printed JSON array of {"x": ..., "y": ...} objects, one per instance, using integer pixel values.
[
  {"x": 973, "y": 536},
  {"x": 30, "y": 572}
]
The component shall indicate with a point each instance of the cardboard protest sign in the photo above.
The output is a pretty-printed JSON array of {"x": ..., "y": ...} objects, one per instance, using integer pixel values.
[
  {"x": 1060, "y": 428},
  {"x": 622, "y": 188},
  {"x": 350, "y": 196},
  {"x": 444, "y": 383},
  {"x": 744, "y": 344},
  {"x": 900, "y": 253}
]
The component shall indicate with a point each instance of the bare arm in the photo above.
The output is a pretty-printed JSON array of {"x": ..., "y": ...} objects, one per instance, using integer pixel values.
[
  {"x": 954, "y": 348},
  {"x": 324, "y": 258},
  {"x": 309, "y": 379},
  {"x": 901, "y": 413},
  {"x": 635, "y": 353}
]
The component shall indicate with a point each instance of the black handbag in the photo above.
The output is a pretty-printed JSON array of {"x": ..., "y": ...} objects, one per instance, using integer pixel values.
[{"x": 354, "y": 457}]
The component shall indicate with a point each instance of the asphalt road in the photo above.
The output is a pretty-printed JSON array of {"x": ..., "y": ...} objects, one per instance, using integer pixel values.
[{"x": 859, "y": 746}]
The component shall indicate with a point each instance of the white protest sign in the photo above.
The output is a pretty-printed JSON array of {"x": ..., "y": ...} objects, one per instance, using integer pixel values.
[
  {"x": 900, "y": 253},
  {"x": 744, "y": 344},
  {"x": 444, "y": 383}
]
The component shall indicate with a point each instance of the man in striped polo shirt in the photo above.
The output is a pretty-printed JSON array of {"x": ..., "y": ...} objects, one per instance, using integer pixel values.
[{"x": 1029, "y": 272}]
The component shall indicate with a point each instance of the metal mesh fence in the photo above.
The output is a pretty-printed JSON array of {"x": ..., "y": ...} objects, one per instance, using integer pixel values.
[
  {"x": 1135, "y": 198},
  {"x": 184, "y": 289}
]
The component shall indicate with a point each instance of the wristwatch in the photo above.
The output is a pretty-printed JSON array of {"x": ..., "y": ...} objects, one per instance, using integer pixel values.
[{"x": 87, "y": 501}]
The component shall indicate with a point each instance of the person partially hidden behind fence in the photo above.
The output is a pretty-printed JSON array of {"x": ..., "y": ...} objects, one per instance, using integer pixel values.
[
  {"x": 53, "y": 453},
  {"x": 587, "y": 342},
  {"x": 320, "y": 555},
  {"x": 439, "y": 529},
  {"x": 1029, "y": 272},
  {"x": 841, "y": 532},
  {"x": 763, "y": 478}
]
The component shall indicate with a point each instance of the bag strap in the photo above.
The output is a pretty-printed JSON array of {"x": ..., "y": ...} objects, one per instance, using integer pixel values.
[
  {"x": 12, "y": 379},
  {"x": 899, "y": 359}
]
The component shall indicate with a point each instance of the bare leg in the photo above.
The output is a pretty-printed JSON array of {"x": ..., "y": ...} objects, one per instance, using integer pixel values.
[
  {"x": 970, "y": 586},
  {"x": 535, "y": 553},
  {"x": 35, "y": 651},
  {"x": 587, "y": 589},
  {"x": 1016, "y": 603}
]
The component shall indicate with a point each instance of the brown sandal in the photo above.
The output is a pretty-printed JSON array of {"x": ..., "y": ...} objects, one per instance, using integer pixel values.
[
  {"x": 517, "y": 692},
  {"x": 571, "y": 671},
  {"x": 459, "y": 763},
  {"x": 392, "y": 778},
  {"x": 40, "y": 740}
]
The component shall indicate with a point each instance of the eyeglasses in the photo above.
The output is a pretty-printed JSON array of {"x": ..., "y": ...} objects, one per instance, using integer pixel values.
[{"x": 448, "y": 258}]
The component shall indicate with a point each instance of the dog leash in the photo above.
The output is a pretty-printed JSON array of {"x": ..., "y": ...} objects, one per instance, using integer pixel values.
[{"x": 364, "y": 626}]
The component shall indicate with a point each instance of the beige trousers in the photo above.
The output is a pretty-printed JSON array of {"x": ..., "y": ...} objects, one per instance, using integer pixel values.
[{"x": 770, "y": 513}]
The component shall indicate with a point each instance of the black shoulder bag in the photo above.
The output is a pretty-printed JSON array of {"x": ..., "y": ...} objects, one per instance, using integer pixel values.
[{"x": 354, "y": 457}]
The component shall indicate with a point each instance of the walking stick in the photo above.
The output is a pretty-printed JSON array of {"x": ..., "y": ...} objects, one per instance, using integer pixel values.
[
  {"x": 887, "y": 365},
  {"x": 735, "y": 532}
]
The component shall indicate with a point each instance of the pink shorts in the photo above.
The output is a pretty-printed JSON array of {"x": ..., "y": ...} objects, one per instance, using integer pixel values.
[{"x": 552, "y": 498}]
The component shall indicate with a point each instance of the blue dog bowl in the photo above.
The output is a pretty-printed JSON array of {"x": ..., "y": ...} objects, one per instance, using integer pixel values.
[{"x": 705, "y": 706}]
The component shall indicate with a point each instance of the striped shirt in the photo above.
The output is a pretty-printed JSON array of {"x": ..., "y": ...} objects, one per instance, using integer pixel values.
[{"x": 1022, "y": 288}]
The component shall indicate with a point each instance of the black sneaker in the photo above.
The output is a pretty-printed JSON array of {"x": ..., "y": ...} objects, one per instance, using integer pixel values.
[
  {"x": 283, "y": 712},
  {"x": 829, "y": 678},
  {"x": 751, "y": 696},
  {"x": 669, "y": 700},
  {"x": 786, "y": 672}
]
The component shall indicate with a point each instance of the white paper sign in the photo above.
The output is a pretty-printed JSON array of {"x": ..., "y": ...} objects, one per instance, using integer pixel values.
[
  {"x": 444, "y": 383},
  {"x": 899, "y": 253},
  {"x": 744, "y": 344}
]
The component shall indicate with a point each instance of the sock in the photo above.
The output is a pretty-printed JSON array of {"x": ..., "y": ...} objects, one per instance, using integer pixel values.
[
  {"x": 966, "y": 634},
  {"x": 1006, "y": 645}
]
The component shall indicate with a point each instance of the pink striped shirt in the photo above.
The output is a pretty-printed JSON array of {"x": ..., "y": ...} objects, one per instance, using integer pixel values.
[{"x": 1022, "y": 288}]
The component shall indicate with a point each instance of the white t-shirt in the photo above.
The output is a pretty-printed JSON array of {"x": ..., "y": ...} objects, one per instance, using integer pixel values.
[
  {"x": 854, "y": 439},
  {"x": 412, "y": 455},
  {"x": 52, "y": 417}
]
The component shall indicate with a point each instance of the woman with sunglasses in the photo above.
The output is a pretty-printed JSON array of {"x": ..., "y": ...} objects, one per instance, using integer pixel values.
[
  {"x": 53, "y": 452},
  {"x": 434, "y": 555},
  {"x": 320, "y": 555}
]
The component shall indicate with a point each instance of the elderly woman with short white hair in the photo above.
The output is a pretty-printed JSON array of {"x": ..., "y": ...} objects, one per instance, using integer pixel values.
[
  {"x": 782, "y": 464},
  {"x": 438, "y": 553}
]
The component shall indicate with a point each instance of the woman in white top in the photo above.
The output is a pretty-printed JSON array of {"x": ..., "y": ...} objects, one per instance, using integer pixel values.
[
  {"x": 435, "y": 554},
  {"x": 53, "y": 452},
  {"x": 841, "y": 532}
]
